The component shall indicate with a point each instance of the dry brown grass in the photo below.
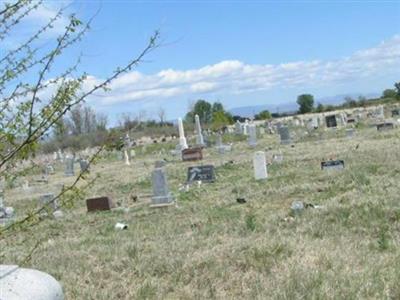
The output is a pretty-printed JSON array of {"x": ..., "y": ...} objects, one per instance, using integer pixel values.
[{"x": 211, "y": 247}]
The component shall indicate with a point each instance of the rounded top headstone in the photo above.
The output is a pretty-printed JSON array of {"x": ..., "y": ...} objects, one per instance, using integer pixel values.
[{"x": 21, "y": 284}]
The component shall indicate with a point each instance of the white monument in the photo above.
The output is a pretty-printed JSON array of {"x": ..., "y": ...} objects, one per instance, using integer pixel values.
[
  {"x": 199, "y": 134},
  {"x": 260, "y": 165},
  {"x": 182, "y": 139}
]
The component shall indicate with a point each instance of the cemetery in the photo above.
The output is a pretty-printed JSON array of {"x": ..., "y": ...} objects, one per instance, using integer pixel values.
[
  {"x": 199, "y": 150},
  {"x": 210, "y": 223}
]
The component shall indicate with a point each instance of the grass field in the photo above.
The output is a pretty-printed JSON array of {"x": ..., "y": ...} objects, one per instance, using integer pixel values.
[{"x": 209, "y": 246}]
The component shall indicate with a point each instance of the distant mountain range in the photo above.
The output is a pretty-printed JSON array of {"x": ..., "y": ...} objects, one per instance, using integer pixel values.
[{"x": 250, "y": 111}]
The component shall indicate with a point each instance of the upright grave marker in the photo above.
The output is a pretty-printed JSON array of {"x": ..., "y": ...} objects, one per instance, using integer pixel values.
[
  {"x": 199, "y": 133},
  {"x": 331, "y": 121},
  {"x": 384, "y": 126},
  {"x": 284, "y": 135},
  {"x": 69, "y": 166},
  {"x": 252, "y": 140},
  {"x": 192, "y": 154},
  {"x": 182, "y": 139},
  {"x": 201, "y": 173},
  {"x": 260, "y": 165},
  {"x": 161, "y": 194}
]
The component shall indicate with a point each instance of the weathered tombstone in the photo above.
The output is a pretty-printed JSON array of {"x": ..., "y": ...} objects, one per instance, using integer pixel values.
[
  {"x": 199, "y": 133},
  {"x": 331, "y": 121},
  {"x": 161, "y": 194},
  {"x": 332, "y": 165},
  {"x": 69, "y": 166},
  {"x": 252, "y": 140},
  {"x": 245, "y": 127},
  {"x": 99, "y": 203},
  {"x": 238, "y": 128},
  {"x": 22, "y": 284},
  {"x": 380, "y": 112},
  {"x": 384, "y": 126},
  {"x": 182, "y": 138},
  {"x": 192, "y": 154},
  {"x": 49, "y": 169},
  {"x": 260, "y": 165},
  {"x": 46, "y": 199},
  {"x": 84, "y": 165},
  {"x": 284, "y": 135},
  {"x": 350, "y": 132},
  {"x": 201, "y": 173}
]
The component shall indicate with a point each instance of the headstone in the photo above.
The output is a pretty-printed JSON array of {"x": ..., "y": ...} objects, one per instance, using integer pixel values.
[
  {"x": 22, "y": 284},
  {"x": 69, "y": 166},
  {"x": 49, "y": 169},
  {"x": 182, "y": 138},
  {"x": 332, "y": 165},
  {"x": 252, "y": 140},
  {"x": 161, "y": 194},
  {"x": 99, "y": 203},
  {"x": 350, "y": 132},
  {"x": 46, "y": 199},
  {"x": 199, "y": 133},
  {"x": 284, "y": 135},
  {"x": 238, "y": 128},
  {"x": 192, "y": 154},
  {"x": 201, "y": 173},
  {"x": 84, "y": 165},
  {"x": 245, "y": 127},
  {"x": 260, "y": 165},
  {"x": 224, "y": 148},
  {"x": 331, "y": 121},
  {"x": 384, "y": 126}
]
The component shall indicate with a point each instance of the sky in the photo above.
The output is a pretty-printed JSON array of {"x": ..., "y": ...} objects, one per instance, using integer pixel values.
[{"x": 240, "y": 53}]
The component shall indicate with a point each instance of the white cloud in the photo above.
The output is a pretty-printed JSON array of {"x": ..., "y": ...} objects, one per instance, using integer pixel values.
[{"x": 236, "y": 77}]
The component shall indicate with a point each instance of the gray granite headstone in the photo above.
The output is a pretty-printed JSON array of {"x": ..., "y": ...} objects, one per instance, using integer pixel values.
[
  {"x": 284, "y": 135},
  {"x": 84, "y": 165},
  {"x": 161, "y": 194},
  {"x": 238, "y": 128},
  {"x": 69, "y": 166},
  {"x": 46, "y": 199},
  {"x": 252, "y": 135}
]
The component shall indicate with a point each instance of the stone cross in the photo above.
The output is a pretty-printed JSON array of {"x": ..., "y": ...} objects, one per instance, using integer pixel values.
[
  {"x": 182, "y": 139},
  {"x": 260, "y": 165},
  {"x": 199, "y": 137},
  {"x": 161, "y": 194},
  {"x": 252, "y": 135},
  {"x": 69, "y": 166}
]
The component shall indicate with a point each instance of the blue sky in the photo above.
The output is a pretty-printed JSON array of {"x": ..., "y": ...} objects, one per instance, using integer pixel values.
[{"x": 238, "y": 52}]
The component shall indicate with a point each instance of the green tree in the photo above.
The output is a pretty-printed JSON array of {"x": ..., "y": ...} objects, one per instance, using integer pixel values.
[
  {"x": 217, "y": 106},
  {"x": 263, "y": 115},
  {"x": 389, "y": 93},
  {"x": 397, "y": 87},
  {"x": 320, "y": 108},
  {"x": 306, "y": 103},
  {"x": 219, "y": 120},
  {"x": 204, "y": 110}
]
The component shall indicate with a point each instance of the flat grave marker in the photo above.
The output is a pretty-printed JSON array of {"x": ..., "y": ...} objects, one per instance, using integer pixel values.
[
  {"x": 192, "y": 154},
  {"x": 332, "y": 165}
]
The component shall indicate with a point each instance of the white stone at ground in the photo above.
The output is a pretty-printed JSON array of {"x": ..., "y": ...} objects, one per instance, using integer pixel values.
[
  {"x": 260, "y": 165},
  {"x": 28, "y": 284}
]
